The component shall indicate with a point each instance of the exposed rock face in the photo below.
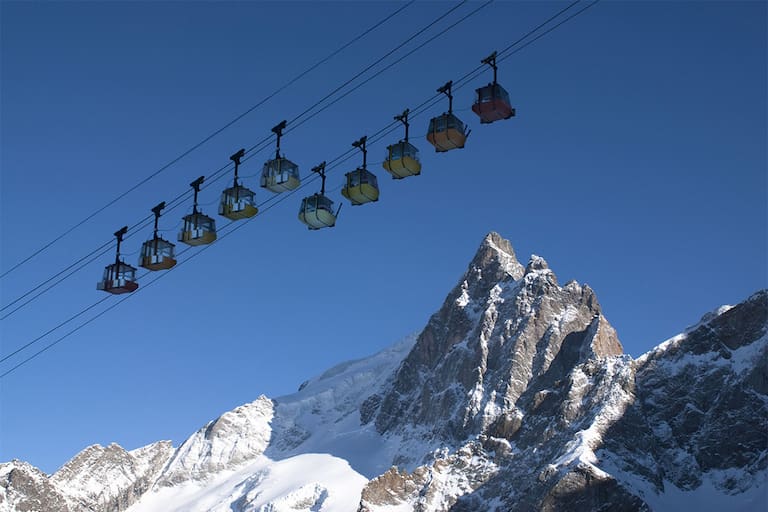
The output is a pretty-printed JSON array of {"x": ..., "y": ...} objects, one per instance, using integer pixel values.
[
  {"x": 530, "y": 376},
  {"x": 24, "y": 488},
  {"x": 702, "y": 408},
  {"x": 98, "y": 478},
  {"x": 515, "y": 397},
  {"x": 110, "y": 478},
  {"x": 235, "y": 437},
  {"x": 498, "y": 330}
]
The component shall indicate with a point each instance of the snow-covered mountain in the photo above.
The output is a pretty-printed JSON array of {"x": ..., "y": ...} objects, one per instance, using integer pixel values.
[{"x": 515, "y": 396}]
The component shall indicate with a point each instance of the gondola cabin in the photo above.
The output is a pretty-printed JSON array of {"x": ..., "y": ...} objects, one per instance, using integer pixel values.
[
  {"x": 198, "y": 229},
  {"x": 280, "y": 175},
  {"x": 361, "y": 187},
  {"x": 157, "y": 254},
  {"x": 119, "y": 278},
  {"x": 447, "y": 132},
  {"x": 402, "y": 160},
  {"x": 317, "y": 212},
  {"x": 238, "y": 203},
  {"x": 492, "y": 104}
]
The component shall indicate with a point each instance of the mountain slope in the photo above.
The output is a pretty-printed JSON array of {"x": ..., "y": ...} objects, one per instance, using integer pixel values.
[
  {"x": 699, "y": 429},
  {"x": 516, "y": 396}
]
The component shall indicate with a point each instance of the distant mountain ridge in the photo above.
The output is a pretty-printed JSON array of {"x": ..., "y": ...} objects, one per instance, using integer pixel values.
[{"x": 516, "y": 396}]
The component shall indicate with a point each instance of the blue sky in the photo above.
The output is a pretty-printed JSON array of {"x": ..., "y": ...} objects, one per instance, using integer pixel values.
[{"x": 636, "y": 164}]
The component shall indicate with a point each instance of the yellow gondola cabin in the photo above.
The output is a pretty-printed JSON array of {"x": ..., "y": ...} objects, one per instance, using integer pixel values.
[
  {"x": 361, "y": 184},
  {"x": 157, "y": 253},
  {"x": 446, "y": 131},
  {"x": 402, "y": 158},
  {"x": 280, "y": 174},
  {"x": 198, "y": 228},
  {"x": 237, "y": 202}
]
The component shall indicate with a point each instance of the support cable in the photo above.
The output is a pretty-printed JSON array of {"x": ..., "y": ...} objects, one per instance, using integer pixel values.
[
  {"x": 277, "y": 199},
  {"x": 209, "y": 137}
]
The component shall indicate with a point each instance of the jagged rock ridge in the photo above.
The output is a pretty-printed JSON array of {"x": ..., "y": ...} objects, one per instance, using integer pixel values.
[
  {"x": 515, "y": 396},
  {"x": 98, "y": 478}
]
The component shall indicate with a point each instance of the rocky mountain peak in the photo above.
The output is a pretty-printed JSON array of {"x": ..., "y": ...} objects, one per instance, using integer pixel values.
[
  {"x": 501, "y": 329},
  {"x": 495, "y": 259}
]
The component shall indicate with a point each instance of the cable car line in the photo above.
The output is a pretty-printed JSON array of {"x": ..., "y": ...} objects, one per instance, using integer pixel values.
[
  {"x": 400, "y": 59},
  {"x": 20, "y": 306},
  {"x": 52, "y": 329},
  {"x": 101, "y": 247},
  {"x": 211, "y": 135},
  {"x": 465, "y": 78},
  {"x": 262, "y": 144},
  {"x": 145, "y": 222},
  {"x": 460, "y": 82},
  {"x": 215, "y": 178},
  {"x": 101, "y": 313},
  {"x": 63, "y": 271},
  {"x": 428, "y": 103},
  {"x": 279, "y": 199},
  {"x": 296, "y": 121},
  {"x": 393, "y": 50},
  {"x": 549, "y": 30},
  {"x": 335, "y": 162},
  {"x": 263, "y": 141},
  {"x": 132, "y": 230},
  {"x": 73, "y": 317}
]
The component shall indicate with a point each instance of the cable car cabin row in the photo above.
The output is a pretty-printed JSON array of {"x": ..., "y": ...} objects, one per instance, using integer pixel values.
[{"x": 446, "y": 132}]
